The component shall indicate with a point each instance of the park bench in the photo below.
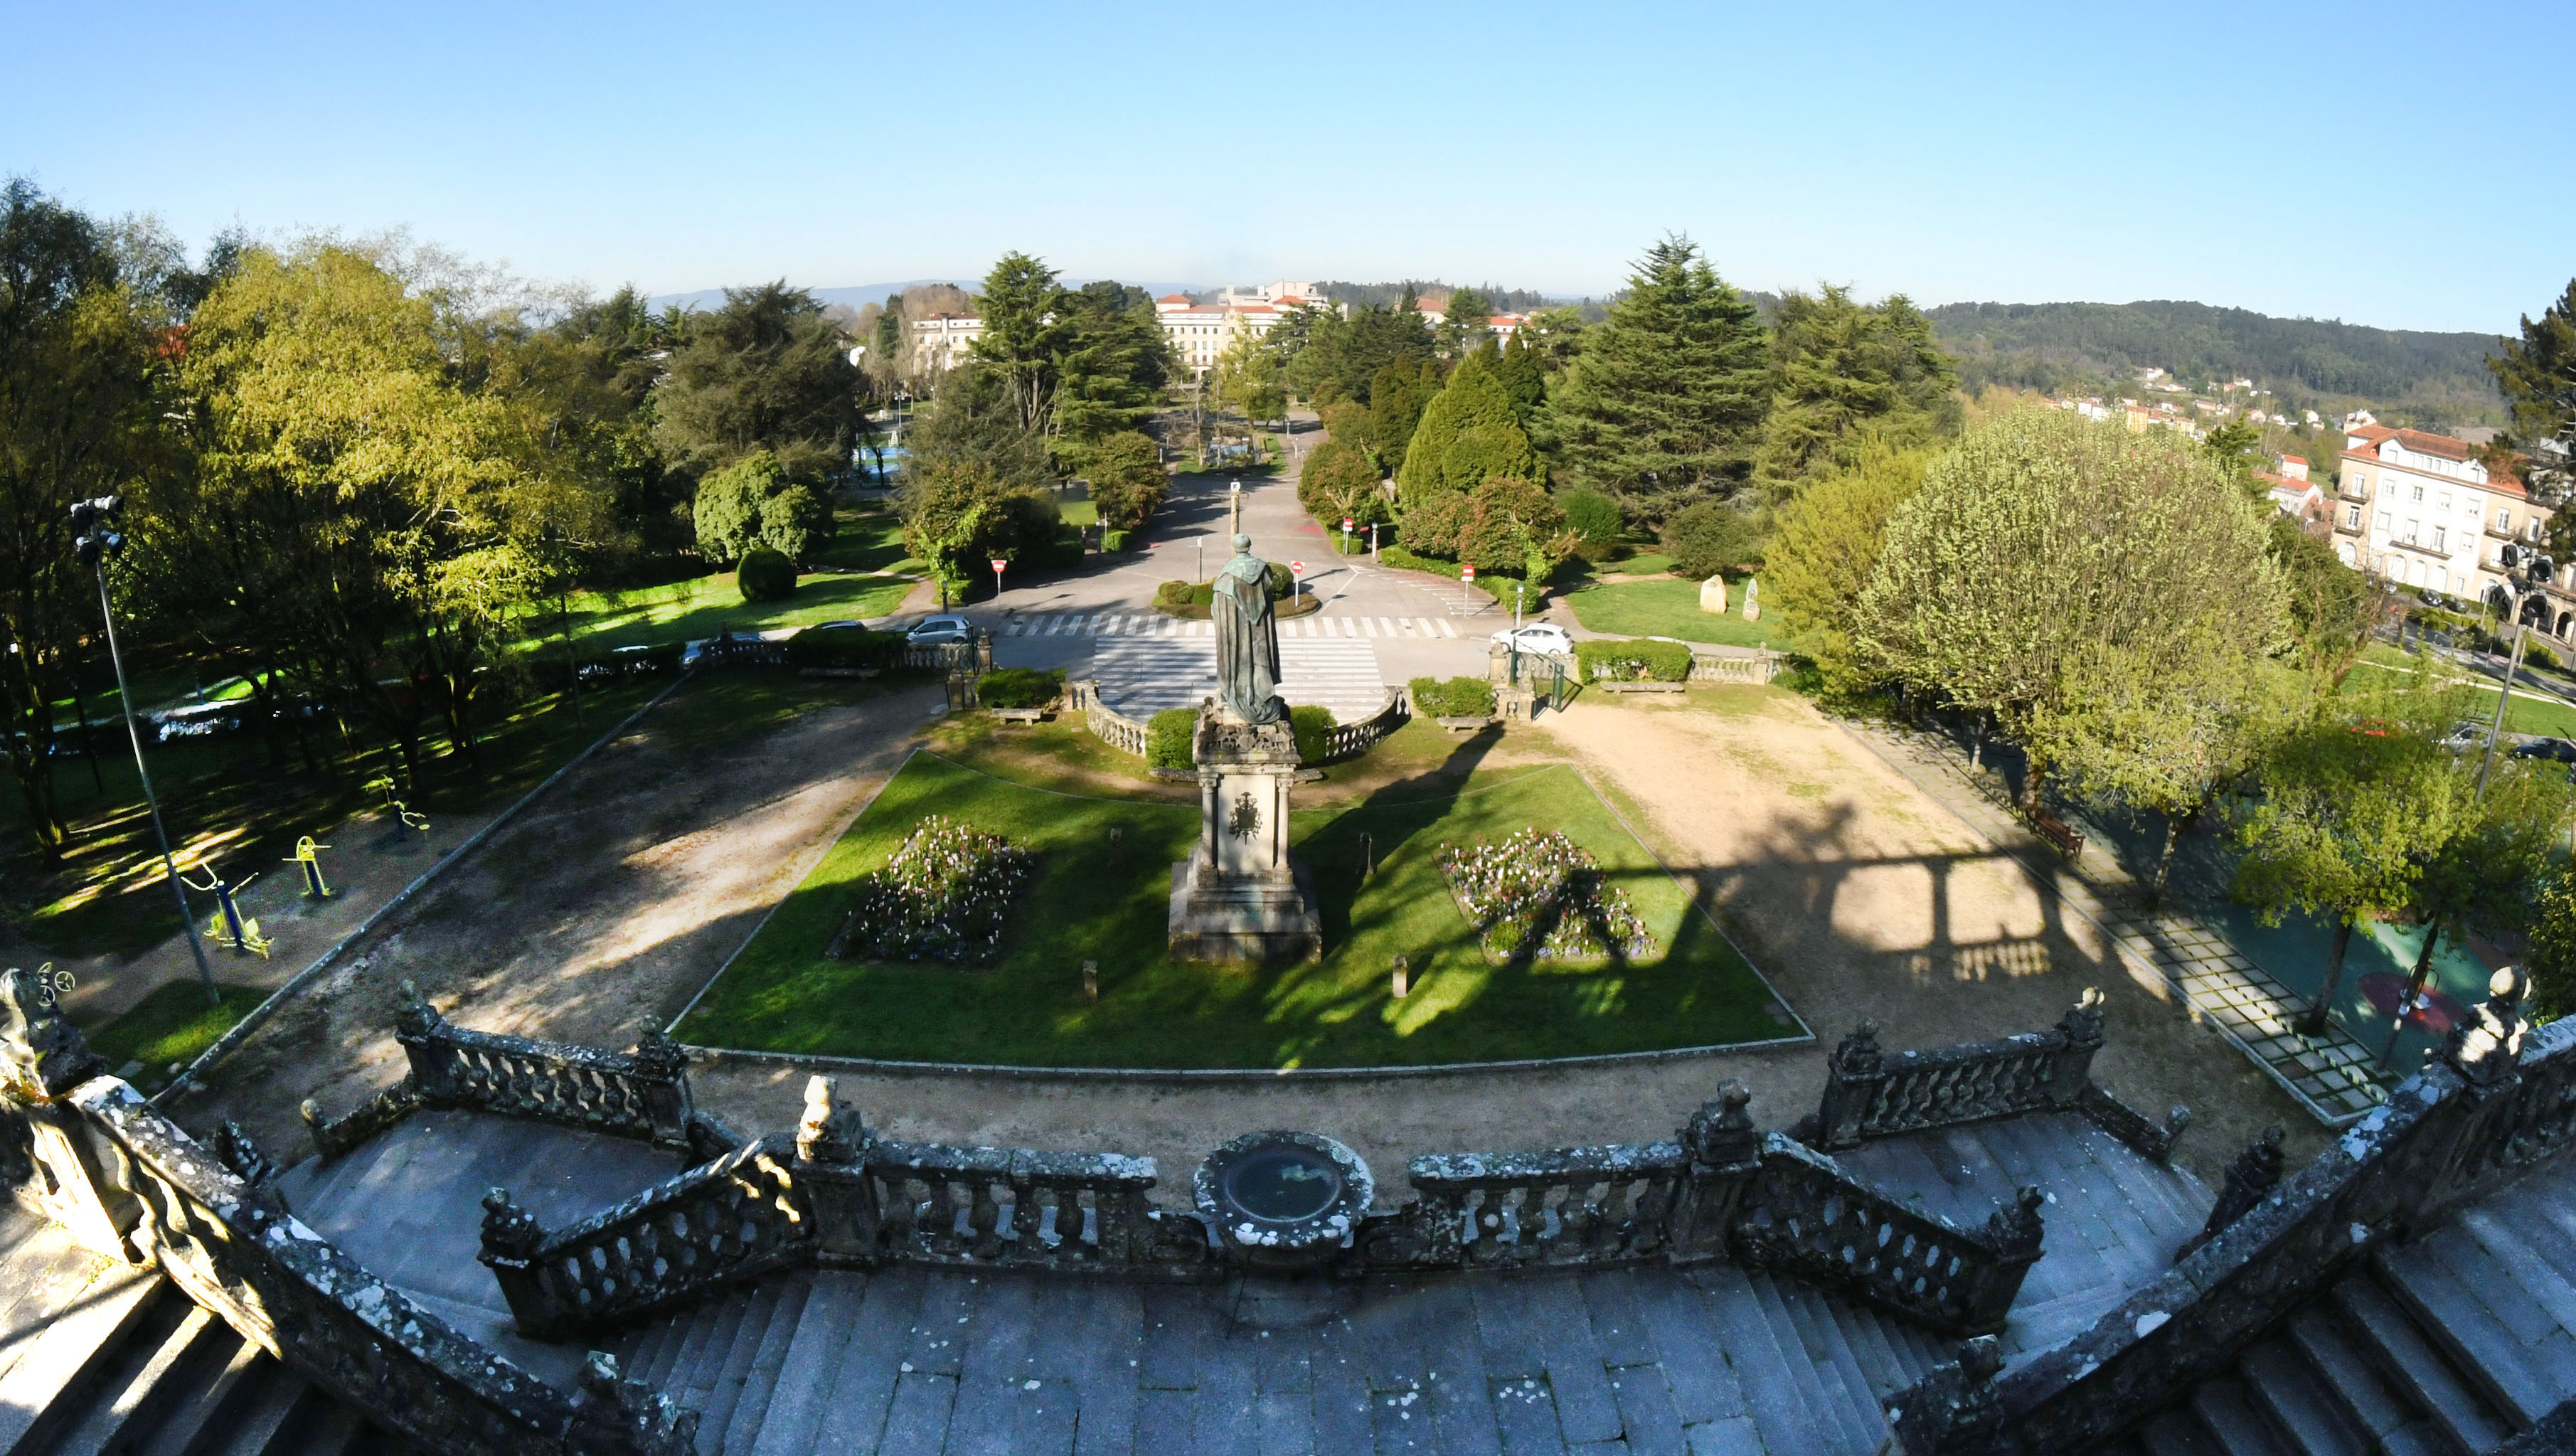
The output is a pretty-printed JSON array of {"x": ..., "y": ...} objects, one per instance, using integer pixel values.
[
  {"x": 2061, "y": 836},
  {"x": 1639, "y": 687},
  {"x": 1019, "y": 715},
  {"x": 1462, "y": 724}
]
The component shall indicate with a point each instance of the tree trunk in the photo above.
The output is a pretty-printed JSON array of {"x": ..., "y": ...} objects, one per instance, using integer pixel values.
[
  {"x": 2175, "y": 829},
  {"x": 2414, "y": 986},
  {"x": 80, "y": 705},
  {"x": 2313, "y": 1023}
]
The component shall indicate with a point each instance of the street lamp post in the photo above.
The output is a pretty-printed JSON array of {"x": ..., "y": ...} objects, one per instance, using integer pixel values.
[
  {"x": 1236, "y": 496},
  {"x": 1198, "y": 557},
  {"x": 90, "y": 518}
]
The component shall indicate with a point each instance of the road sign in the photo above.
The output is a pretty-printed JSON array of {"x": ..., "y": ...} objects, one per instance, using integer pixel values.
[
  {"x": 1298, "y": 567},
  {"x": 999, "y": 563},
  {"x": 1346, "y": 523},
  {"x": 1465, "y": 573}
]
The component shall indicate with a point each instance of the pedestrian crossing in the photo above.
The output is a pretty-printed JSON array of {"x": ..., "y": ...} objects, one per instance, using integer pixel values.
[
  {"x": 1142, "y": 676},
  {"x": 1321, "y": 626}
]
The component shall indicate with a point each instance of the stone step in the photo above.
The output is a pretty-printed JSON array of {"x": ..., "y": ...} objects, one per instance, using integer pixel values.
[
  {"x": 83, "y": 1338},
  {"x": 2224, "y": 1411},
  {"x": 150, "y": 1367},
  {"x": 2455, "y": 1318},
  {"x": 725, "y": 1387},
  {"x": 760, "y": 1380},
  {"x": 2368, "y": 1403},
  {"x": 2294, "y": 1398},
  {"x": 2414, "y": 1367}
]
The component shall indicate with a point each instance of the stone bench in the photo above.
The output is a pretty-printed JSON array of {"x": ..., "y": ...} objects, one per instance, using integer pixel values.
[
  {"x": 1018, "y": 715},
  {"x": 1640, "y": 687},
  {"x": 1462, "y": 724}
]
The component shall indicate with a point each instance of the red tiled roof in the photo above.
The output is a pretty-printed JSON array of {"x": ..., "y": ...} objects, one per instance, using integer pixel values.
[{"x": 1173, "y": 298}]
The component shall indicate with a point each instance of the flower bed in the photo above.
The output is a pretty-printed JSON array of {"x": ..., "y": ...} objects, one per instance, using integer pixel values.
[
  {"x": 944, "y": 896},
  {"x": 1540, "y": 883}
]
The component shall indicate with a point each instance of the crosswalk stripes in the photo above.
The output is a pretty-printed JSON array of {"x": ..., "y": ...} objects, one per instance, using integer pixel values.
[
  {"x": 1319, "y": 626},
  {"x": 1141, "y": 676}
]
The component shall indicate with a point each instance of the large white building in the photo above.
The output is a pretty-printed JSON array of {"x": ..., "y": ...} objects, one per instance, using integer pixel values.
[
  {"x": 1199, "y": 332},
  {"x": 942, "y": 341},
  {"x": 2423, "y": 510}
]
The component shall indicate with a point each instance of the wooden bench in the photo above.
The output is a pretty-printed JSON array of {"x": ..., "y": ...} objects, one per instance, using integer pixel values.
[
  {"x": 2061, "y": 836},
  {"x": 1640, "y": 687},
  {"x": 1462, "y": 724},
  {"x": 1018, "y": 715}
]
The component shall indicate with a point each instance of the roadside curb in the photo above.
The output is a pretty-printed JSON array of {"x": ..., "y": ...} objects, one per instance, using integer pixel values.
[{"x": 231, "y": 1041}]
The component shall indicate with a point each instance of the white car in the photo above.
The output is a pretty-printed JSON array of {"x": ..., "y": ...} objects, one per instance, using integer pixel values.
[
  {"x": 941, "y": 629},
  {"x": 1543, "y": 638}
]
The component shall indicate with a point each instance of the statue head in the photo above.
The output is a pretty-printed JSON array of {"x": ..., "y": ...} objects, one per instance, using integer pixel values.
[{"x": 1242, "y": 543}]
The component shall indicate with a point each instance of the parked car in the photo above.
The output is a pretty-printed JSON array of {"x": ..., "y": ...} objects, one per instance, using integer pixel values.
[
  {"x": 2557, "y": 750},
  {"x": 2465, "y": 736},
  {"x": 932, "y": 630},
  {"x": 1544, "y": 638}
]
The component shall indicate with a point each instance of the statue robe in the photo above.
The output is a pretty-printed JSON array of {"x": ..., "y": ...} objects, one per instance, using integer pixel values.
[{"x": 1247, "y": 642}]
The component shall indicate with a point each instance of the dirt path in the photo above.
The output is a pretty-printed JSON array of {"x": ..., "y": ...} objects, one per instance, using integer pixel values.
[{"x": 595, "y": 915}]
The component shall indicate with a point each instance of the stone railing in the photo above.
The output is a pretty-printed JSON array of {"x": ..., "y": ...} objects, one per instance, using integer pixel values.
[
  {"x": 1727, "y": 667},
  {"x": 374, "y": 1116},
  {"x": 735, "y": 1218},
  {"x": 1870, "y": 1093},
  {"x": 128, "y": 1184},
  {"x": 2497, "y": 1103},
  {"x": 1105, "y": 723},
  {"x": 1013, "y": 1206},
  {"x": 1595, "y": 1205},
  {"x": 1349, "y": 740}
]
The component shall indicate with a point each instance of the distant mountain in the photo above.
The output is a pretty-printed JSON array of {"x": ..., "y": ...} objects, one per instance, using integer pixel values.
[
  {"x": 2430, "y": 380},
  {"x": 862, "y": 294}
]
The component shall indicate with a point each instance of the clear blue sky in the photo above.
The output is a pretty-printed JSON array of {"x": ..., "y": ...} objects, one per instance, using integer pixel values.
[{"x": 2403, "y": 167}]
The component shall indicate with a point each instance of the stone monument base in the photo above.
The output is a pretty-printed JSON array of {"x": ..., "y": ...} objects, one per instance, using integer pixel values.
[{"x": 1243, "y": 921}]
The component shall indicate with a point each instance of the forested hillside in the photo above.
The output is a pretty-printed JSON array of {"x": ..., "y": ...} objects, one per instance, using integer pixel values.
[{"x": 2425, "y": 379}]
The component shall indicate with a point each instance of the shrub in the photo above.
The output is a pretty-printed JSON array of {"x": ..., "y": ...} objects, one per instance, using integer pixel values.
[
  {"x": 1397, "y": 556},
  {"x": 842, "y": 647},
  {"x": 1168, "y": 736},
  {"x": 765, "y": 576},
  {"x": 1179, "y": 594},
  {"x": 1128, "y": 482},
  {"x": 2535, "y": 654},
  {"x": 946, "y": 895},
  {"x": 751, "y": 503},
  {"x": 1459, "y": 697},
  {"x": 1019, "y": 687},
  {"x": 1708, "y": 538},
  {"x": 1313, "y": 723},
  {"x": 1594, "y": 517},
  {"x": 1616, "y": 659},
  {"x": 1538, "y": 883},
  {"x": 1113, "y": 541}
]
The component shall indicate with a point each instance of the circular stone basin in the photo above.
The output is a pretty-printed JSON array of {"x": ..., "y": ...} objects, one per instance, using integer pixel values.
[{"x": 1284, "y": 1200}]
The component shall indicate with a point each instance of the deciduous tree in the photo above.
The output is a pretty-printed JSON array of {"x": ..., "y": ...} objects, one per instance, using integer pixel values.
[{"x": 1824, "y": 547}]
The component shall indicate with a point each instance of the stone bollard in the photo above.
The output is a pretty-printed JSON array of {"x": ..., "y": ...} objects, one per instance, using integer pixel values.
[
  {"x": 1403, "y": 979},
  {"x": 1368, "y": 865}
]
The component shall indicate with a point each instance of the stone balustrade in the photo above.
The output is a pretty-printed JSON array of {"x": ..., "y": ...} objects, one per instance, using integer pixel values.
[
  {"x": 1607, "y": 1204},
  {"x": 1756, "y": 666},
  {"x": 1104, "y": 722},
  {"x": 1014, "y": 1206},
  {"x": 1350, "y": 740},
  {"x": 2499, "y": 1101},
  {"x": 95, "y": 1157},
  {"x": 1870, "y": 1093}
]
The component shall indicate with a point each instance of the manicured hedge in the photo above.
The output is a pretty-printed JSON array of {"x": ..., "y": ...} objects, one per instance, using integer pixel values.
[
  {"x": 1313, "y": 722},
  {"x": 1633, "y": 660},
  {"x": 1114, "y": 541},
  {"x": 1459, "y": 697},
  {"x": 765, "y": 576},
  {"x": 1019, "y": 687},
  {"x": 1168, "y": 736},
  {"x": 1203, "y": 593},
  {"x": 1397, "y": 556}
]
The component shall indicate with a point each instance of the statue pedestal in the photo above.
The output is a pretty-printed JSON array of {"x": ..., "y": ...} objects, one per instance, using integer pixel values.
[{"x": 1239, "y": 896}]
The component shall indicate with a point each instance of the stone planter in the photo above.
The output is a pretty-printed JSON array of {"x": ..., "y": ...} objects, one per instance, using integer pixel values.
[{"x": 1284, "y": 1201}]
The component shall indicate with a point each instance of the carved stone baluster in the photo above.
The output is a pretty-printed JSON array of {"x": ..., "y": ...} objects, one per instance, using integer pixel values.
[
  {"x": 511, "y": 1238},
  {"x": 662, "y": 1075},
  {"x": 1613, "y": 1234},
  {"x": 984, "y": 1216},
  {"x": 2081, "y": 1027},
  {"x": 1854, "y": 1076},
  {"x": 1025, "y": 1218},
  {"x": 1724, "y": 1152},
  {"x": 944, "y": 1240}
]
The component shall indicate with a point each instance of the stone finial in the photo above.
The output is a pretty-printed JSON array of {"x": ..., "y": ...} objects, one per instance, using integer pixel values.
[
  {"x": 1721, "y": 1134},
  {"x": 1858, "y": 1054},
  {"x": 2016, "y": 1228},
  {"x": 2082, "y": 1022},
  {"x": 2487, "y": 1049},
  {"x": 2250, "y": 1179},
  {"x": 656, "y": 1054},
  {"x": 237, "y": 1152},
  {"x": 1981, "y": 1359},
  {"x": 511, "y": 1234},
  {"x": 615, "y": 1414},
  {"x": 831, "y": 1132},
  {"x": 415, "y": 1017},
  {"x": 42, "y": 1055}
]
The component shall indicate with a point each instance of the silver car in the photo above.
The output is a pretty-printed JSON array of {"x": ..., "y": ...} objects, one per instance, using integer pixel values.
[{"x": 941, "y": 629}]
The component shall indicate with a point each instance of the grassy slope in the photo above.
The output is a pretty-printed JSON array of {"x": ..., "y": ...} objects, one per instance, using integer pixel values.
[
  {"x": 1085, "y": 905},
  {"x": 1668, "y": 609}
]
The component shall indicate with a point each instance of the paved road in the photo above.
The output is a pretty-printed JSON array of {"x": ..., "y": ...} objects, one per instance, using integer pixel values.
[{"x": 1093, "y": 622}]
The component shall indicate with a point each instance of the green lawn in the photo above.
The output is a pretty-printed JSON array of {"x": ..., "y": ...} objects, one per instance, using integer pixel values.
[
  {"x": 1088, "y": 904},
  {"x": 867, "y": 541},
  {"x": 172, "y": 1023},
  {"x": 707, "y": 605},
  {"x": 1644, "y": 563},
  {"x": 1078, "y": 513},
  {"x": 2527, "y": 714},
  {"x": 1670, "y": 609}
]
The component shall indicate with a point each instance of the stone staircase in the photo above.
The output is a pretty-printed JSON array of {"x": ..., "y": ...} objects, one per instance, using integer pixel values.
[
  {"x": 2448, "y": 1343},
  {"x": 99, "y": 1357}
]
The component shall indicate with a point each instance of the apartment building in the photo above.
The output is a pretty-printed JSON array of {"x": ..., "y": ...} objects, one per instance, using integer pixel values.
[
  {"x": 1199, "y": 332},
  {"x": 942, "y": 341},
  {"x": 2423, "y": 510}
]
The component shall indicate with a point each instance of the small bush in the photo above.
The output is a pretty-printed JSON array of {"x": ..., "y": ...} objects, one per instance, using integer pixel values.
[
  {"x": 2534, "y": 654},
  {"x": 1594, "y": 517},
  {"x": 1019, "y": 687},
  {"x": 842, "y": 647},
  {"x": 1633, "y": 660},
  {"x": 1168, "y": 736},
  {"x": 765, "y": 576},
  {"x": 1459, "y": 697},
  {"x": 1313, "y": 723},
  {"x": 1708, "y": 538},
  {"x": 1114, "y": 541}
]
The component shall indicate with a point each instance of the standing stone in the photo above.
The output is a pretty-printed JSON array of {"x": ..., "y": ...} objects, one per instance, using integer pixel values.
[
  {"x": 1753, "y": 599},
  {"x": 1712, "y": 595}
]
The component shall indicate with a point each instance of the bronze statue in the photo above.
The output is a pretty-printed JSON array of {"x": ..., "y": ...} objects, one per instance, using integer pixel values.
[{"x": 1247, "y": 639}]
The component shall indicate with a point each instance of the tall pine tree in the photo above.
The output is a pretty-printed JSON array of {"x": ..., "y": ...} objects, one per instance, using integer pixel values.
[{"x": 1665, "y": 404}]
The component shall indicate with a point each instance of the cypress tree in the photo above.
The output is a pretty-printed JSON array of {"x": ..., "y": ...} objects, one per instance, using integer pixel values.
[
  {"x": 1666, "y": 401},
  {"x": 1469, "y": 432}
]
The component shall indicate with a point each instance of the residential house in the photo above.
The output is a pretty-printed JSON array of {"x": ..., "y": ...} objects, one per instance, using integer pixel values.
[{"x": 2423, "y": 509}]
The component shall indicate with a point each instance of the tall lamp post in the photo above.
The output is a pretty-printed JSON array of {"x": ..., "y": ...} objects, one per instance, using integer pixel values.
[{"x": 96, "y": 543}]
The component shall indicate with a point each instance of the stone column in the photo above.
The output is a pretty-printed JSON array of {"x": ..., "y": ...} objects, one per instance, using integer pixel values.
[
  {"x": 511, "y": 1238},
  {"x": 1853, "y": 1075},
  {"x": 2082, "y": 1028},
  {"x": 417, "y": 1025},
  {"x": 1725, "y": 1152},
  {"x": 662, "y": 1075},
  {"x": 831, "y": 1157}
]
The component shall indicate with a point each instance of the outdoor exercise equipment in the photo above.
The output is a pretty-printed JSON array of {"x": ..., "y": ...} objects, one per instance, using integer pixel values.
[
  {"x": 404, "y": 818},
  {"x": 229, "y": 927},
  {"x": 311, "y": 864}
]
